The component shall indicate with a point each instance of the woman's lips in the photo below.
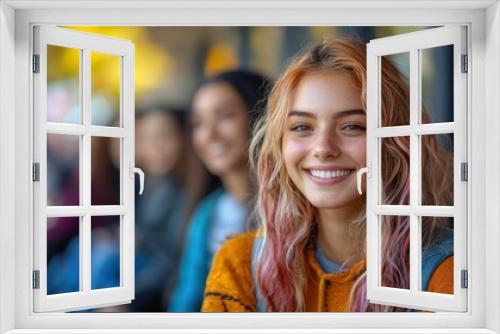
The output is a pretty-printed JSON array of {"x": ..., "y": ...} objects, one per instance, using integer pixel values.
[
  {"x": 217, "y": 150},
  {"x": 324, "y": 177}
]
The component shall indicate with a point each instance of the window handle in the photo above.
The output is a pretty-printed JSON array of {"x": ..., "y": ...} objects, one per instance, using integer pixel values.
[
  {"x": 134, "y": 170},
  {"x": 365, "y": 170}
]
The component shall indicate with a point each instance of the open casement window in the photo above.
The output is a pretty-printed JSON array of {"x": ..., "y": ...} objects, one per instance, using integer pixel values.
[
  {"x": 83, "y": 133},
  {"x": 424, "y": 136}
]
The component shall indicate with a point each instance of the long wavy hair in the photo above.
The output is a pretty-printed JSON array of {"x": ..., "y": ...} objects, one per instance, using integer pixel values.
[{"x": 286, "y": 216}]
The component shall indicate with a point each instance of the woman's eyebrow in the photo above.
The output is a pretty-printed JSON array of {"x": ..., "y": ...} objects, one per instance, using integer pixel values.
[
  {"x": 301, "y": 114},
  {"x": 338, "y": 114},
  {"x": 351, "y": 112},
  {"x": 223, "y": 105}
]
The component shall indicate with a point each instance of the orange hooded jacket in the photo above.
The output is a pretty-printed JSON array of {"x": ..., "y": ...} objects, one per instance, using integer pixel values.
[{"x": 230, "y": 286}]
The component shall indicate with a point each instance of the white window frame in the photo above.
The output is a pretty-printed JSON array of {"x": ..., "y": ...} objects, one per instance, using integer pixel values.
[
  {"x": 16, "y": 215},
  {"x": 413, "y": 43},
  {"x": 85, "y": 43}
]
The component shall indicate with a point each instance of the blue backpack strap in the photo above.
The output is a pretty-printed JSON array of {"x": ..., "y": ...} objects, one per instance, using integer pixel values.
[
  {"x": 257, "y": 244},
  {"x": 434, "y": 256}
]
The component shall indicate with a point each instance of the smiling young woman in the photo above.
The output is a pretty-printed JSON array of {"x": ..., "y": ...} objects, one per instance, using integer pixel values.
[{"x": 309, "y": 254}]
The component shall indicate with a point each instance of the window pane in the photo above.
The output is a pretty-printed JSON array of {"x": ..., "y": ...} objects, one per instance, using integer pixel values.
[
  {"x": 437, "y": 246},
  {"x": 437, "y": 84},
  {"x": 437, "y": 169},
  {"x": 106, "y": 71},
  {"x": 63, "y": 84},
  {"x": 106, "y": 157},
  {"x": 397, "y": 109},
  {"x": 395, "y": 170},
  {"x": 105, "y": 253},
  {"x": 63, "y": 170},
  {"x": 395, "y": 251},
  {"x": 63, "y": 255}
]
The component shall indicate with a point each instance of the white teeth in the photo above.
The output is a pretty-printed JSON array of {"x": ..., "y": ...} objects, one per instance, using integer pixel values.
[
  {"x": 217, "y": 149},
  {"x": 329, "y": 174}
]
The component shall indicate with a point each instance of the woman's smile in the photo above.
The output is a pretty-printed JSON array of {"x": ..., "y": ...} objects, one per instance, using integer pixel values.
[
  {"x": 328, "y": 176},
  {"x": 216, "y": 150}
]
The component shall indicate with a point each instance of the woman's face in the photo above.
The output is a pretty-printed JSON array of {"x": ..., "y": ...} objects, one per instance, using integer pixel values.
[
  {"x": 220, "y": 128},
  {"x": 159, "y": 139},
  {"x": 324, "y": 141}
]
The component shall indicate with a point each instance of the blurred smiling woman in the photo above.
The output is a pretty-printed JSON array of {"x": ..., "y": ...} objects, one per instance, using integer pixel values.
[
  {"x": 309, "y": 253},
  {"x": 224, "y": 110}
]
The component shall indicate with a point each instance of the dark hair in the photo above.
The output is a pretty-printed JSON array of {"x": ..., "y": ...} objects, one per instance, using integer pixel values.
[
  {"x": 252, "y": 87},
  {"x": 178, "y": 114}
]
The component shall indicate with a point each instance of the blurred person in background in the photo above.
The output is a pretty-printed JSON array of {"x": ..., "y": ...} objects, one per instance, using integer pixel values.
[
  {"x": 174, "y": 181},
  {"x": 223, "y": 111},
  {"x": 162, "y": 152},
  {"x": 63, "y": 265},
  {"x": 160, "y": 213},
  {"x": 105, "y": 185}
]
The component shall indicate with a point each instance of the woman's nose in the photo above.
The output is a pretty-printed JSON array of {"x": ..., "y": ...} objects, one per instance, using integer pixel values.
[
  {"x": 325, "y": 146},
  {"x": 209, "y": 131}
]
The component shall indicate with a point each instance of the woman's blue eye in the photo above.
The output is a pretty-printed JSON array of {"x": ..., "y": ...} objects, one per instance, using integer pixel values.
[
  {"x": 301, "y": 128},
  {"x": 353, "y": 127}
]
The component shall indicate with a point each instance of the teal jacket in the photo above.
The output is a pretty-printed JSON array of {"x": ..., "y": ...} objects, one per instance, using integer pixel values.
[{"x": 196, "y": 259}]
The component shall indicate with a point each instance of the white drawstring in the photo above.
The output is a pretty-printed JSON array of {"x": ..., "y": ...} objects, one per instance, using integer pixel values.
[{"x": 359, "y": 174}]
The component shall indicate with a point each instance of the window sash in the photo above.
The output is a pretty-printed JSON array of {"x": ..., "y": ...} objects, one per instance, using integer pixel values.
[
  {"x": 86, "y": 297},
  {"x": 412, "y": 43}
]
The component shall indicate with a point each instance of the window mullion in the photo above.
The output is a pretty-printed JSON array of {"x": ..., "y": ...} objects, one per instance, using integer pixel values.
[
  {"x": 85, "y": 228},
  {"x": 80, "y": 130},
  {"x": 420, "y": 129},
  {"x": 105, "y": 131},
  {"x": 372, "y": 181},
  {"x": 421, "y": 210},
  {"x": 414, "y": 172},
  {"x": 127, "y": 180}
]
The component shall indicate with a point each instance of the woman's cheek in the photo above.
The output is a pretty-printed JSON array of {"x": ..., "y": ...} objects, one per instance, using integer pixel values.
[
  {"x": 236, "y": 133},
  {"x": 294, "y": 151},
  {"x": 230, "y": 129},
  {"x": 357, "y": 150},
  {"x": 198, "y": 142}
]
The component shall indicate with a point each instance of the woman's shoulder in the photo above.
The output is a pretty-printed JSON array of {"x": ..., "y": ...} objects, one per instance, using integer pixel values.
[
  {"x": 229, "y": 285},
  {"x": 437, "y": 269},
  {"x": 241, "y": 243},
  {"x": 205, "y": 208},
  {"x": 441, "y": 280},
  {"x": 234, "y": 254},
  {"x": 210, "y": 199}
]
